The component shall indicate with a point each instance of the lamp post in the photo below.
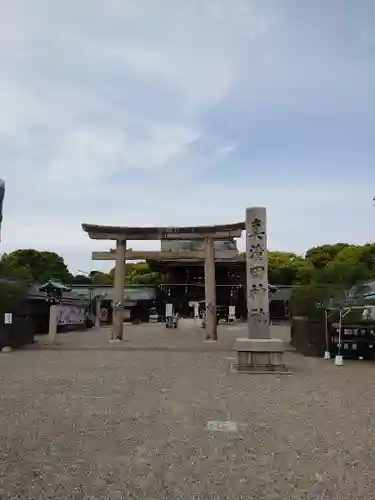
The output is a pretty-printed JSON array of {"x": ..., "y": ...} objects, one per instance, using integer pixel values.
[{"x": 54, "y": 290}]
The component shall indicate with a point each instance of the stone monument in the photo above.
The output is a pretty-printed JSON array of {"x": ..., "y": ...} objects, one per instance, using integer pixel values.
[{"x": 258, "y": 353}]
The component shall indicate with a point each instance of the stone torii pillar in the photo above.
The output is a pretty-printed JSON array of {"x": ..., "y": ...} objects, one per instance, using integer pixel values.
[
  {"x": 98, "y": 304},
  {"x": 119, "y": 283},
  {"x": 210, "y": 289},
  {"x": 259, "y": 352}
]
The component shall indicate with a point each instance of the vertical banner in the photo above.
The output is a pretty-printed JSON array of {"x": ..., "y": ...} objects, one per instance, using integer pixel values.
[
  {"x": 196, "y": 310},
  {"x": 168, "y": 310},
  {"x": 2, "y": 193},
  {"x": 232, "y": 314}
]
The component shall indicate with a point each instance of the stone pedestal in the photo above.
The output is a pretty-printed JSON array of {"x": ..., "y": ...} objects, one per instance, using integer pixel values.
[{"x": 260, "y": 356}]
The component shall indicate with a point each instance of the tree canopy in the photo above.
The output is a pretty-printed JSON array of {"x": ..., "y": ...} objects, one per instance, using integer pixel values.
[
  {"x": 35, "y": 265},
  {"x": 341, "y": 263}
]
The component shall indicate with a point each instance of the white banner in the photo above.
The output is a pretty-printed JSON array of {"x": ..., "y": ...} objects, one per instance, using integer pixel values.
[
  {"x": 232, "y": 313},
  {"x": 70, "y": 315},
  {"x": 196, "y": 309},
  {"x": 168, "y": 310}
]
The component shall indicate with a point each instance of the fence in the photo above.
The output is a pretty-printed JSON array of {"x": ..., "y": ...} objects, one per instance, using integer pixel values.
[
  {"x": 308, "y": 336},
  {"x": 307, "y": 307},
  {"x": 310, "y": 301},
  {"x": 17, "y": 334},
  {"x": 13, "y": 299}
]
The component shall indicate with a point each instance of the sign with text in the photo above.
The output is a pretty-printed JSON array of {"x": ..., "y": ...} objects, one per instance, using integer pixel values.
[
  {"x": 70, "y": 315},
  {"x": 8, "y": 318},
  {"x": 221, "y": 426}
]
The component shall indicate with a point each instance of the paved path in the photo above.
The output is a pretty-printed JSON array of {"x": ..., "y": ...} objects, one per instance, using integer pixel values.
[{"x": 89, "y": 419}]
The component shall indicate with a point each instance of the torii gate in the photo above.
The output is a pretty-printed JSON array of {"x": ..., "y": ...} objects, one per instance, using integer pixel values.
[{"x": 122, "y": 234}]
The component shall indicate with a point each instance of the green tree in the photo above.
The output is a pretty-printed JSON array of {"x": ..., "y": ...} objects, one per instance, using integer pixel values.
[
  {"x": 100, "y": 278},
  {"x": 345, "y": 274},
  {"x": 368, "y": 257},
  {"x": 304, "y": 272},
  {"x": 287, "y": 268},
  {"x": 8, "y": 269},
  {"x": 311, "y": 300},
  {"x": 348, "y": 267},
  {"x": 81, "y": 279},
  {"x": 39, "y": 266},
  {"x": 321, "y": 255},
  {"x": 141, "y": 274},
  {"x": 12, "y": 296},
  {"x": 340, "y": 264}
]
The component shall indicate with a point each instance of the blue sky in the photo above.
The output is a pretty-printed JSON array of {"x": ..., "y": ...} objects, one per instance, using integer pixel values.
[{"x": 163, "y": 112}]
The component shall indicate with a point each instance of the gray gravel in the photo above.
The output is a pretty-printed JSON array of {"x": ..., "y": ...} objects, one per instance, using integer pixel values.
[{"x": 90, "y": 419}]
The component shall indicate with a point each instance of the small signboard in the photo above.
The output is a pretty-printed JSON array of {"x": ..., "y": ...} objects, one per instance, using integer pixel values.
[
  {"x": 8, "y": 318},
  {"x": 196, "y": 310},
  {"x": 221, "y": 426},
  {"x": 168, "y": 310},
  {"x": 118, "y": 305},
  {"x": 232, "y": 312},
  {"x": 130, "y": 303}
]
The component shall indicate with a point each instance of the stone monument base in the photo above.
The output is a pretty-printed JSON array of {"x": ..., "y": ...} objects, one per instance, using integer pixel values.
[{"x": 260, "y": 356}]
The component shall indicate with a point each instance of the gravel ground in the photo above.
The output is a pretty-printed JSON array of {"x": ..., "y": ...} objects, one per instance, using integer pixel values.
[{"x": 92, "y": 419}]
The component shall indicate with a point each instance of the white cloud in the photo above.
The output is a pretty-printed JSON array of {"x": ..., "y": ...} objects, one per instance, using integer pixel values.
[
  {"x": 19, "y": 109},
  {"x": 226, "y": 149},
  {"x": 89, "y": 154},
  {"x": 301, "y": 217},
  {"x": 114, "y": 114}
]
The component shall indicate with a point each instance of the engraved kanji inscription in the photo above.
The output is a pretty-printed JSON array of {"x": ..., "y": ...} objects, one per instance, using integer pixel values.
[
  {"x": 256, "y": 252},
  {"x": 257, "y": 271},
  {"x": 258, "y": 312},
  {"x": 255, "y": 290},
  {"x": 256, "y": 224},
  {"x": 256, "y": 237},
  {"x": 259, "y": 316}
]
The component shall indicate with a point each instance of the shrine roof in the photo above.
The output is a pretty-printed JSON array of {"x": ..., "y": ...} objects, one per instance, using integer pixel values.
[{"x": 165, "y": 262}]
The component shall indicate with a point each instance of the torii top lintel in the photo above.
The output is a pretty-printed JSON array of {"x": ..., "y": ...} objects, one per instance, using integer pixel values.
[{"x": 217, "y": 232}]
